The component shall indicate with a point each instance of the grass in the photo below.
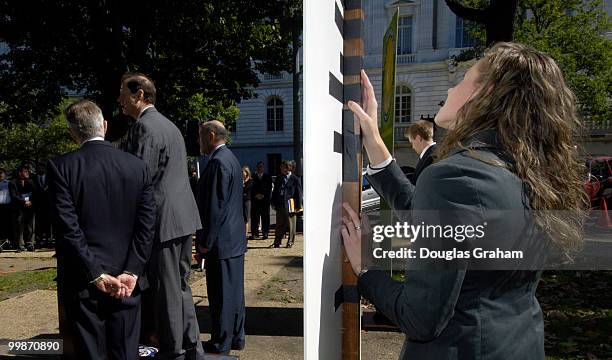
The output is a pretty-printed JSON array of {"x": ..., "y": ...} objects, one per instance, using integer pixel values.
[
  {"x": 282, "y": 290},
  {"x": 577, "y": 308},
  {"x": 13, "y": 284}
]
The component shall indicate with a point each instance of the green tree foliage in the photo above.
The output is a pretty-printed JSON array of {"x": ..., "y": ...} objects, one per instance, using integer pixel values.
[
  {"x": 573, "y": 32},
  {"x": 33, "y": 143},
  {"x": 202, "y": 55}
]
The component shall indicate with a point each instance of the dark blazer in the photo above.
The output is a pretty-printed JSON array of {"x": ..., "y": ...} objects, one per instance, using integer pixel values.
[
  {"x": 102, "y": 200},
  {"x": 292, "y": 190},
  {"x": 424, "y": 161},
  {"x": 220, "y": 203},
  {"x": 262, "y": 186},
  {"x": 460, "y": 314},
  {"x": 18, "y": 193},
  {"x": 159, "y": 143}
]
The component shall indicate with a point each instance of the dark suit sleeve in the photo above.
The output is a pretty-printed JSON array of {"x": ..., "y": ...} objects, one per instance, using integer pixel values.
[
  {"x": 15, "y": 196},
  {"x": 68, "y": 222},
  {"x": 275, "y": 192},
  {"x": 144, "y": 227},
  {"x": 267, "y": 187},
  {"x": 219, "y": 186},
  {"x": 298, "y": 193},
  {"x": 423, "y": 305},
  {"x": 393, "y": 186}
]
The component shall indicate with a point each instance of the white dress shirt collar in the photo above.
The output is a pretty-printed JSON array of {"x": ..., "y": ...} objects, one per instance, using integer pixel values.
[
  {"x": 144, "y": 108},
  {"x": 96, "y": 138},
  {"x": 426, "y": 147}
]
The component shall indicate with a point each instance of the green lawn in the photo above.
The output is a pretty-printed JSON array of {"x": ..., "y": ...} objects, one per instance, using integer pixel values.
[{"x": 12, "y": 284}]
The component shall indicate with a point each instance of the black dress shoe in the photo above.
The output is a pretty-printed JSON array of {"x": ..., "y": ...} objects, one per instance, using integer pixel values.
[
  {"x": 265, "y": 237},
  {"x": 251, "y": 237},
  {"x": 288, "y": 246},
  {"x": 276, "y": 246}
]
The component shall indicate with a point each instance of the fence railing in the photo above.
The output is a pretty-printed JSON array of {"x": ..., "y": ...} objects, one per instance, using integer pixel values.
[{"x": 597, "y": 127}]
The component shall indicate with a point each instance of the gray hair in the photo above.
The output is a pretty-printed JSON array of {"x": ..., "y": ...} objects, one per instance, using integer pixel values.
[{"x": 85, "y": 118}]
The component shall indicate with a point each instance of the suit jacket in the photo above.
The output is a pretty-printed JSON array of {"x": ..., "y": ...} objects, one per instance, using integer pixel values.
[
  {"x": 460, "y": 313},
  {"x": 220, "y": 203},
  {"x": 159, "y": 143},
  {"x": 424, "y": 161},
  {"x": 283, "y": 191},
  {"x": 103, "y": 207},
  {"x": 262, "y": 186},
  {"x": 18, "y": 193}
]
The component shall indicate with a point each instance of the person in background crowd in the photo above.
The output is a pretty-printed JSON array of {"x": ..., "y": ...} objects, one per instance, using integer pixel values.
[
  {"x": 287, "y": 201},
  {"x": 420, "y": 135},
  {"x": 260, "y": 202},
  {"x": 22, "y": 191},
  {"x": 246, "y": 195},
  {"x": 193, "y": 180},
  {"x": 156, "y": 140},
  {"x": 222, "y": 239},
  {"x": 5, "y": 209},
  {"x": 44, "y": 231}
]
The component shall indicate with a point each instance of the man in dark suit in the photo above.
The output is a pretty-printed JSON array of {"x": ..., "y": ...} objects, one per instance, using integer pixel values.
[
  {"x": 102, "y": 202},
  {"x": 22, "y": 190},
  {"x": 44, "y": 231},
  {"x": 287, "y": 190},
  {"x": 158, "y": 142},
  {"x": 260, "y": 197},
  {"x": 222, "y": 239},
  {"x": 420, "y": 135}
]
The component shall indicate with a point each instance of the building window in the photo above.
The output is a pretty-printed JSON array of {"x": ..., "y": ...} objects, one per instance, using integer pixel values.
[
  {"x": 402, "y": 104},
  {"x": 404, "y": 35},
  {"x": 463, "y": 38},
  {"x": 274, "y": 114}
]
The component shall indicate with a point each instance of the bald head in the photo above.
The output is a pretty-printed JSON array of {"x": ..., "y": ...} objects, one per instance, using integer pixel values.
[{"x": 212, "y": 134}]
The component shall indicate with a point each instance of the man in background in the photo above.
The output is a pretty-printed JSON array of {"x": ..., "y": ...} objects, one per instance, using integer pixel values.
[
  {"x": 287, "y": 201},
  {"x": 105, "y": 221},
  {"x": 22, "y": 199},
  {"x": 420, "y": 135},
  {"x": 43, "y": 231},
  {"x": 222, "y": 239},
  {"x": 5, "y": 210},
  {"x": 156, "y": 140},
  {"x": 260, "y": 202}
]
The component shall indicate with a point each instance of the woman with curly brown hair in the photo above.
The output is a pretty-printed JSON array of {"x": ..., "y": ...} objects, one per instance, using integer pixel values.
[{"x": 509, "y": 147}]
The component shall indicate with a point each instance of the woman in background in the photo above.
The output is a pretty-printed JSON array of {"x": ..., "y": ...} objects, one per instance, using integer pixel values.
[{"x": 509, "y": 147}]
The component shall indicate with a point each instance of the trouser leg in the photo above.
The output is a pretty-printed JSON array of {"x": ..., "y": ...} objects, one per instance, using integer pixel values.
[
  {"x": 282, "y": 225},
  {"x": 18, "y": 228},
  {"x": 123, "y": 328},
  {"x": 265, "y": 218},
  {"x": 255, "y": 215},
  {"x": 174, "y": 302},
  {"x": 292, "y": 229},
  {"x": 225, "y": 286}
]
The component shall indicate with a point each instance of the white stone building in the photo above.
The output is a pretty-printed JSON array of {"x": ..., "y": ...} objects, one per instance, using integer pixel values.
[{"x": 429, "y": 35}]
